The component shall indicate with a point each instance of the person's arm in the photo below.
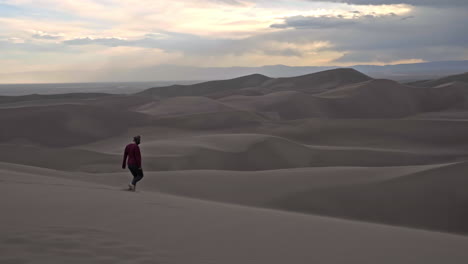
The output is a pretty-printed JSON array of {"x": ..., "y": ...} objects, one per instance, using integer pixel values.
[
  {"x": 124, "y": 163},
  {"x": 138, "y": 157}
]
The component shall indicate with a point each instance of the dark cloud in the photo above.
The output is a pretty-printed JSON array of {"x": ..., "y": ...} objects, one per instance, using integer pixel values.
[
  {"x": 303, "y": 22},
  {"x": 408, "y": 17},
  {"x": 429, "y": 34}
]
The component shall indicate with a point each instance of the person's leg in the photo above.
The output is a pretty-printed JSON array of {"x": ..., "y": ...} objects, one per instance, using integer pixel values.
[
  {"x": 134, "y": 171},
  {"x": 137, "y": 177}
]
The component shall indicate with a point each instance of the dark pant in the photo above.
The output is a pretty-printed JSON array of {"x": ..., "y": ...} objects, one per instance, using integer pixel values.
[{"x": 137, "y": 174}]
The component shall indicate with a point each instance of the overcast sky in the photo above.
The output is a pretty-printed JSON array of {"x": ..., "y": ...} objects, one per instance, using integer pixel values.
[{"x": 104, "y": 35}]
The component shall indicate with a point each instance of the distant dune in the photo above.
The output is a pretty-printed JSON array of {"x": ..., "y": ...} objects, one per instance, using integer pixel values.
[
  {"x": 206, "y": 88},
  {"x": 65, "y": 125},
  {"x": 449, "y": 79},
  {"x": 183, "y": 105},
  {"x": 317, "y": 82}
]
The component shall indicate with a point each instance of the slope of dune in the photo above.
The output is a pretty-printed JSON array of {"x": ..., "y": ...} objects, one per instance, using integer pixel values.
[
  {"x": 64, "y": 159},
  {"x": 214, "y": 120},
  {"x": 122, "y": 102},
  {"x": 375, "y": 98},
  {"x": 47, "y": 97},
  {"x": 317, "y": 82},
  {"x": 236, "y": 152},
  {"x": 250, "y": 91},
  {"x": 369, "y": 99},
  {"x": 456, "y": 85},
  {"x": 311, "y": 83},
  {"x": 183, "y": 105},
  {"x": 441, "y": 136},
  {"x": 53, "y": 99},
  {"x": 244, "y": 152},
  {"x": 65, "y": 125},
  {"x": 259, "y": 188},
  {"x": 444, "y": 97},
  {"x": 335, "y": 143},
  {"x": 53, "y": 220},
  {"x": 283, "y": 104},
  {"x": 206, "y": 88},
  {"x": 449, "y": 79},
  {"x": 434, "y": 199},
  {"x": 424, "y": 203},
  {"x": 454, "y": 114}
]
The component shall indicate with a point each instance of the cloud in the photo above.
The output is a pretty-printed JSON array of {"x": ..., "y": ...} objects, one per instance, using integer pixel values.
[
  {"x": 229, "y": 2},
  {"x": 350, "y": 37},
  {"x": 431, "y": 34},
  {"x": 197, "y": 46},
  {"x": 390, "y": 55},
  {"x": 48, "y": 36},
  {"x": 111, "y": 42},
  {"x": 313, "y": 22},
  {"x": 352, "y": 18},
  {"x": 232, "y": 32},
  {"x": 442, "y": 3}
]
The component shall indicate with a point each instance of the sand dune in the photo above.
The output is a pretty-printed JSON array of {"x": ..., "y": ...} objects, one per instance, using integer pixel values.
[
  {"x": 434, "y": 199},
  {"x": 122, "y": 102},
  {"x": 65, "y": 159},
  {"x": 215, "y": 120},
  {"x": 369, "y": 99},
  {"x": 183, "y": 105},
  {"x": 249, "y": 91},
  {"x": 47, "y": 97},
  {"x": 442, "y": 136},
  {"x": 442, "y": 115},
  {"x": 65, "y": 125},
  {"x": 206, "y": 88},
  {"x": 45, "y": 100},
  {"x": 283, "y": 105},
  {"x": 237, "y": 152},
  {"x": 262, "y": 152},
  {"x": 260, "y": 188},
  {"x": 59, "y": 228},
  {"x": 247, "y": 165},
  {"x": 311, "y": 83},
  {"x": 317, "y": 82},
  {"x": 375, "y": 98},
  {"x": 449, "y": 79}
]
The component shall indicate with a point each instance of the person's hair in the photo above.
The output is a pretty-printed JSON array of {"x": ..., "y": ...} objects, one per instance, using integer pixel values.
[{"x": 136, "y": 138}]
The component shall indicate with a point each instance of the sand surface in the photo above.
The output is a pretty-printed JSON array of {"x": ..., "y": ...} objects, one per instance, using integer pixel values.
[
  {"x": 333, "y": 167},
  {"x": 75, "y": 222}
]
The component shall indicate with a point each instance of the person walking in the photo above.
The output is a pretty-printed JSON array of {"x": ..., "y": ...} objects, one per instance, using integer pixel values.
[{"x": 132, "y": 153}]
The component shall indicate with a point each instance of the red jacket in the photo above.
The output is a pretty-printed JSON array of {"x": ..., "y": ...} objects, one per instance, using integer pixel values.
[{"x": 132, "y": 151}]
